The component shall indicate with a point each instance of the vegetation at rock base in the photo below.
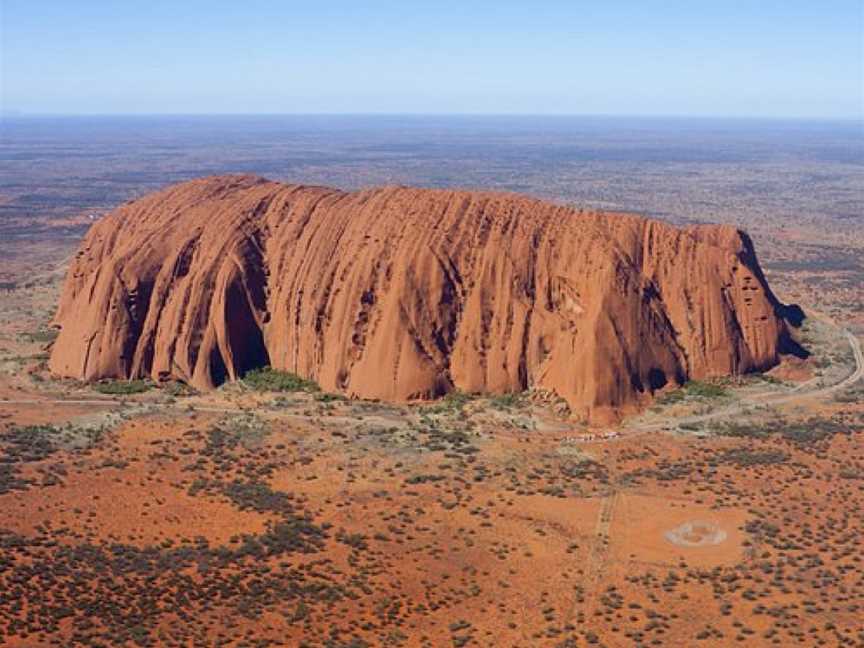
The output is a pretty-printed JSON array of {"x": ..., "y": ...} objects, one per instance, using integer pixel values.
[
  {"x": 269, "y": 379},
  {"x": 122, "y": 387}
]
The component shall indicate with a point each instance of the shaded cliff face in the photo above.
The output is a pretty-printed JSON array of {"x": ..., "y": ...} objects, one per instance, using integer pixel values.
[{"x": 400, "y": 293}]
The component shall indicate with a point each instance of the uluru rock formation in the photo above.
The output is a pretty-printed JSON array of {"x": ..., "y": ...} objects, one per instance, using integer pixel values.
[{"x": 400, "y": 293}]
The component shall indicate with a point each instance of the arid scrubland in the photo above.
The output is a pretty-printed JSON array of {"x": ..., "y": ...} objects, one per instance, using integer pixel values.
[{"x": 271, "y": 512}]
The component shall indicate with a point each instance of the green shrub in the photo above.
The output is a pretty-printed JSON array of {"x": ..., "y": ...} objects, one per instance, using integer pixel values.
[
  {"x": 269, "y": 379},
  {"x": 813, "y": 431},
  {"x": 353, "y": 540},
  {"x": 122, "y": 387},
  {"x": 178, "y": 389},
  {"x": 327, "y": 397},
  {"x": 42, "y": 336},
  {"x": 457, "y": 398},
  {"x": 422, "y": 479},
  {"x": 695, "y": 389},
  {"x": 771, "y": 380},
  {"x": 451, "y": 403},
  {"x": 743, "y": 429},
  {"x": 671, "y": 397},
  {"x": 743, "y": 457},
  {"x": 705, "y": 389},
  {"x": 802, "y": 433},
  {"x": 258, "y": 496},
  {"x": 506, "y": 401}
]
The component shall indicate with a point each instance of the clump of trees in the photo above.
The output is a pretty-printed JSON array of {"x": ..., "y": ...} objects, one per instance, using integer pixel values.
[
  {"x": 122, "y": 387},
  {"x": 269, "y": 379}
]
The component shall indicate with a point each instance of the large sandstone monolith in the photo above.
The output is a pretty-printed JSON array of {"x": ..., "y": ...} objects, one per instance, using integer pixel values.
[{"x": 400, "y": 293}]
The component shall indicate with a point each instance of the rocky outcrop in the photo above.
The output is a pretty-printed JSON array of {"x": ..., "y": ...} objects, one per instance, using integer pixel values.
[{"x": 400, "y": 293}]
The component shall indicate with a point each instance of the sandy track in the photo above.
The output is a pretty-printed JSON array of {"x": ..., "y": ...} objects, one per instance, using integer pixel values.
[{"x": 769, "y": 398}]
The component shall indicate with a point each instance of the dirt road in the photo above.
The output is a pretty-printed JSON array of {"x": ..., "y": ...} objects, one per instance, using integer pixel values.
[{"x": 769, "y": 398}]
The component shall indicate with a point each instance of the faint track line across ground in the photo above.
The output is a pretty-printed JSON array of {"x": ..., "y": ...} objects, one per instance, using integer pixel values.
[{"x": 770, "y": 398}]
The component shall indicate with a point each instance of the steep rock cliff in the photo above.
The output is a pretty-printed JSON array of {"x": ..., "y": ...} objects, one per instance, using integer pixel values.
[{"x": 400, "y": 293}]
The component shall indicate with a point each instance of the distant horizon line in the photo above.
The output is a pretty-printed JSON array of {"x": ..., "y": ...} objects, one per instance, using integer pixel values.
[{"x": 14, "y": 114}]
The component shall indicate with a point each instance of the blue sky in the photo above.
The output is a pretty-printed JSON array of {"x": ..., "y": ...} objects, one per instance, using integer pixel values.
[{"x": 720, "y": 58}]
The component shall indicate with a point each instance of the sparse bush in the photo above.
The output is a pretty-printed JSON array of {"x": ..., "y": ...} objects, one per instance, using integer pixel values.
[
  {"x": 743, "y": 430},
  {"x": 813, "y": 431},
  {"x": 421, "y": 479},
  {"x": 705, "y": 389},
  {"x": 803, "y": 433},
  {"x": 743, "y": 457},
  {"x": 509, "y": 400},
  {"x": 771, "y": 380},
  {"x": 269, "y": 379},
  {"x": 178, "y": 389},
  {"x": 327, "y": 397},
  {"x": 353, "y": 540},
  {"x": 694, "y": 389},
  {"x": 42, "y": 336},
  {"x": 122, "y": 387},
  {"x": 452, "y": 403}
]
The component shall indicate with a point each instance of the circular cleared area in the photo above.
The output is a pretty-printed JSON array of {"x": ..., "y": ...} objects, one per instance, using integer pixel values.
[{"x": 696, "y": 534}]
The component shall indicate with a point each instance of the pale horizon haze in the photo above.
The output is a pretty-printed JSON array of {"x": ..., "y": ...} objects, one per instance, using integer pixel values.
[{"x": 789, "y": 59}]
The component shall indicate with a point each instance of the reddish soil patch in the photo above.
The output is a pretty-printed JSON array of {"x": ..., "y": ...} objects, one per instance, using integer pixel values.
[{"x": 642, "y": 524}]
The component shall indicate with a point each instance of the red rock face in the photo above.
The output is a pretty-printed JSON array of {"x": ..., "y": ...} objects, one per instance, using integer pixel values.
[{"x": 400, "y": 293}]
